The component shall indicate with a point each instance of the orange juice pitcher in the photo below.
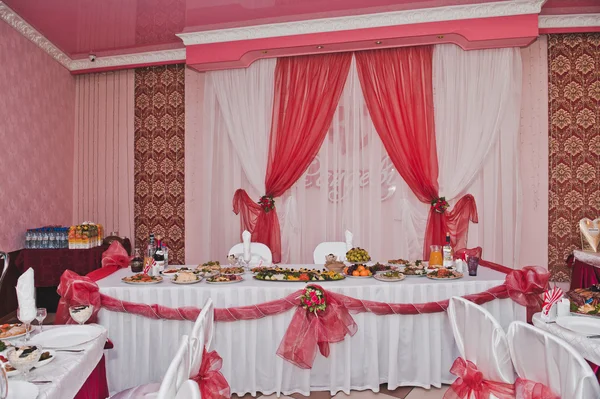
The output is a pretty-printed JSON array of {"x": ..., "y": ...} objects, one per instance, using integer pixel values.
[{"x": 435, "y": 256}]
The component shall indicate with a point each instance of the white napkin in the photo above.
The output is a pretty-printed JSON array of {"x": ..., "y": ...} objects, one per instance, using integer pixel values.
[
  {"x": 349, "y": 237},
  {"x": 26, "y": 296},
  {"x": 246, "y": 241}
]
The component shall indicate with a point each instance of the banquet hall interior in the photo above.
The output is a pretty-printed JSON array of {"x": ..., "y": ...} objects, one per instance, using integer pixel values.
[{"x": 300, "y": 199}]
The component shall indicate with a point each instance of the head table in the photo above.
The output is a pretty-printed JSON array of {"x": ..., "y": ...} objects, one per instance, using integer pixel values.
[{"x": 415, "y": 350}]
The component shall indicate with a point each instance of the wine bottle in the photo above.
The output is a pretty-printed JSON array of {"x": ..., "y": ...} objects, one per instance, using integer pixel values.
[
  {"x": 159, "y": 255},
  {"x": 448, "y": 253}
]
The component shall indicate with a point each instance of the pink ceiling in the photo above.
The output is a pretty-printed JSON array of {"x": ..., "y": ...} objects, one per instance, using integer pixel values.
[{"x": 108, "y": 27}]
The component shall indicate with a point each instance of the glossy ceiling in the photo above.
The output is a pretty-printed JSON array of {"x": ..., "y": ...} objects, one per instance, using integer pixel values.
[{"x": 110, "y": 27}]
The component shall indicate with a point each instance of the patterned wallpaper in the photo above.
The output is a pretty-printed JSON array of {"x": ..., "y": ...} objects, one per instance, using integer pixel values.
[
  {"x": 37, "y": 105},
  {"x": 574, "y": 145},
  {"x": 159, "y": 195}
]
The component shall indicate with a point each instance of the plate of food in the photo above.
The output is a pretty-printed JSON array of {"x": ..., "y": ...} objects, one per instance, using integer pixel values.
[
  {"x": 357, "y": 255},
  {"x": 358, "y": 271},
  {"x": 209, "y": 269},
  {"x": 142, "y": 279},
  {"x": 389, "y": 275},
  {"x": 45, "y": 358},
  {"x": 10, "y": 331},
  {"x": 169, "y": 272},
  {"x": 444, "y": 274},
  {"x": 301, "y": 275},
  {"x": 186, "y": 277},
  {"x": 415, "y": 270},
  {"x": 235, "y": 270},
  {"x": 398, "y": 262},
  {"x": 225, "y": 279}
]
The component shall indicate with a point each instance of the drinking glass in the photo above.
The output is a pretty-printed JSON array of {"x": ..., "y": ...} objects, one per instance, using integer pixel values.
[
  {"x": 3, "y": 383},
  {"x": 473, "y": 263},
  {"x": 435, "y": 256},
  {"x": 24, "y": 358},
  {"x": 81, "y": 313},
  {"x": 40, "y": 316},
  {"x": 26, "y": 320}
]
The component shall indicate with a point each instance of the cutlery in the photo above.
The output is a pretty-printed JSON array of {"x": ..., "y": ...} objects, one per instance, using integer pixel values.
[
  {"x": 593, "y": 336},
  {"x": 41, "y": 382},
  {"x": 69, "y": 350}
]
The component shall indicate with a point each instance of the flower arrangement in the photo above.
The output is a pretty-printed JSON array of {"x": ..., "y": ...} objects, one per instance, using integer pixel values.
[
  {"x": 267, "y": 203},
  {"x": 440, "y": 204},
  {"x": 313, "y": 300}
]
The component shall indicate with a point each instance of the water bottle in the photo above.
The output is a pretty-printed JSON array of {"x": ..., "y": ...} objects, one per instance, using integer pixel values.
[
  {"x": 35, "y": 242},
  {"x": 27, "y": 239},
  {"x": 45, "y": 239},
  {"x": 51, "y": 239}
]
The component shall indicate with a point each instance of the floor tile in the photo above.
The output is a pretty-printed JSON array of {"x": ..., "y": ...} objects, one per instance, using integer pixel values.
[
  {"x": 368, "y": 394},
  {"x": 313, "y": 395},
  {"x": 400, "y": 392},
  {"x": 433, "y": 393}
]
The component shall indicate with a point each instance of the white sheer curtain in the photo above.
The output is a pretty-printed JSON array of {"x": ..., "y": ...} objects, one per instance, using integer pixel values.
[{"x": 477, "y": 97}]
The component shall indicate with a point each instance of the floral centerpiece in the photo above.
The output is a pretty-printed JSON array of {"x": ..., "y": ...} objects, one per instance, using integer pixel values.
[
  {"x": 440, "y": 204},
  {"x": 267, "y": 203},
  {"x": 313, "y": 300}
]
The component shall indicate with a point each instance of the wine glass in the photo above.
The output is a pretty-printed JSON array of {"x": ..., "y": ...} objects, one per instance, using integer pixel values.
[
  {"x": 26, "y": 318},
  {"x": 40, "y": 316},
  {"x": 24, "y": 358},
  {"x": 81, "y": 313}
]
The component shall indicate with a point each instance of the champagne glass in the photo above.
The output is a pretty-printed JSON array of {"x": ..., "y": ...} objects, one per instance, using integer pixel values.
[
  {"x": 81, "y": 313},
  {"x": 24, "y": 358},
  {"x": 26, "y": 318},
  {"x": 40, "y": 316}
]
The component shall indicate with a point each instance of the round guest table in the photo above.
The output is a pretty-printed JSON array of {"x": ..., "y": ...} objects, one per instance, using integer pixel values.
[{"x": 402, "y": 350}]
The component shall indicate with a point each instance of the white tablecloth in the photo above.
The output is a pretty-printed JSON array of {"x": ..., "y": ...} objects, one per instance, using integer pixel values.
[
  {"x": 589, "y": 348},
  {"x": 68, "y": 371},
  {"x": 401, "y": 350}
]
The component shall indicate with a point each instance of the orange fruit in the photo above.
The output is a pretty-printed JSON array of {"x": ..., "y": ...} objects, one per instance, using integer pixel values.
[
  {"x": 356, "y": 273},
  {"x": 365, "y": 273},
  {"x": 360, "y": 268}
]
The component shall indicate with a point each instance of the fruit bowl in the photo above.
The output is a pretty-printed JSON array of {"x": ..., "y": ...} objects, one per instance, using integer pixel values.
[
  {"x": 357, "y": 255},
  {"x": 359, "y": 271}
]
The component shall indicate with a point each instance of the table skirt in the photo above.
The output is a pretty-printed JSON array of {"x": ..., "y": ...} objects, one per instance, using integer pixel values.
[
  {"x": 96, "y": 386},
  {"x": 402, "y": 350}
]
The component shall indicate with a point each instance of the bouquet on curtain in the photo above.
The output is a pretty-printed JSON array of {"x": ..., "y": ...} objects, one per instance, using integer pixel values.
[{"x": 440, "y": 204}]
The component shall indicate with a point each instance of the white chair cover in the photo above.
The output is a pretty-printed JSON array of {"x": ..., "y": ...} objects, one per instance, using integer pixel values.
[
  {"x": 481, "y": 340},
  {"x": 326, "y": 248},
  {"x": 259, "y": 251},
  {"x": 202, "y": 334},
  {"x": 189, "y": 390},
  {"x": 542, "y": 357}
]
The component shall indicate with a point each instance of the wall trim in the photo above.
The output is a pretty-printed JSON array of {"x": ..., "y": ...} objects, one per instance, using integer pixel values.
[
  {"x": 569, "y": 21},
  {"x": 406, "y": 17}
]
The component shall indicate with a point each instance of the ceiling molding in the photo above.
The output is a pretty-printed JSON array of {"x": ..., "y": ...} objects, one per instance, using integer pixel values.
[
  {"x": 128, "y": 59},
  {"x": 324, "y": 25},
  {"x": 569, "y": 21},
  {"x": 14, "y": 20}
]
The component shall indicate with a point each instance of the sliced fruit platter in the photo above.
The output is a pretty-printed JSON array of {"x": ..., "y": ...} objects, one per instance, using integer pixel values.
[
  {"x": 232, "y": 270},
  {"x": 225, "y": 279},
  {"x": 9, "y": 331},
  {"x": 390, "y": 275},
  {"x": 142, "y": 278},
  {"x": 444, "y": 274},
  {"x": 303, "y": 275}
]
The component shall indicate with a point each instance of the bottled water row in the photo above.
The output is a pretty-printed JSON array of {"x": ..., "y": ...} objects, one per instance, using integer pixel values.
[{"x": 47, "y": 238}]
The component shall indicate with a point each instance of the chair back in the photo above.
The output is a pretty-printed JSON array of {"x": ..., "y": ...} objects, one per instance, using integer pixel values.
[
  {"x": 188, "y": 390},
  {"x": 326, "y": 248},
  {"x": 542, "y": 357},
  {"x": 481, "y": 340},
  {"x": 259, "y": 251},
  {"x": 178, "y": 371},
  {"x": 202, "y": 334}
]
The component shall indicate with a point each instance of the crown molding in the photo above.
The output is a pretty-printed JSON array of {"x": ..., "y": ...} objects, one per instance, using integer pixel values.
[
  {"x": 569, "y": 21},
  {"x": 324, "y": 25},
  {"x": 14, "y": 20}
]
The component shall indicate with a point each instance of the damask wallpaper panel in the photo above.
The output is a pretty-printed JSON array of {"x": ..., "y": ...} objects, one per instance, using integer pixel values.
[
  {"x": 159, "y": 162},
  {"x": 37, "y": 107},
  {"x": 574, "y": 143}
]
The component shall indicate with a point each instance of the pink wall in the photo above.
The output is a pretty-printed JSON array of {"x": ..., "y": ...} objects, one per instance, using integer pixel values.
[{"x": 37, "y": 105}]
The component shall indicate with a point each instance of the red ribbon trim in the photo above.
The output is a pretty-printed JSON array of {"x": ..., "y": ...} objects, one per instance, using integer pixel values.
[
  {"x": 471, "y": 384},
  {"x": 527, "y": 389},
  {"x": 211, "y": 381}
]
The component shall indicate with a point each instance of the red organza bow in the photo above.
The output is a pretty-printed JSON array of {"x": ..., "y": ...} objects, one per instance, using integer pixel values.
[
  {"x": 526, "y": 389},
  {"x": 76, "y": 290},
  {"x": 470, "y": 383},
  {"x": 212, "y": 383},
  {"x": 307, "y": 331},
  {"x": 113, "y": 259},
  {"x": 526, "y": 285}
]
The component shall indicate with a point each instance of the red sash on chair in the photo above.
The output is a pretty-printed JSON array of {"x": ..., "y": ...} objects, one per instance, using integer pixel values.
[{"x": 470, "y": 381}]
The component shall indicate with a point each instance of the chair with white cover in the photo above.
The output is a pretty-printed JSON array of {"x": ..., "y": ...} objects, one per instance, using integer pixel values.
[
  {"x": 259, "y": 252},
  {"x": 201, "y": 336},
  {"x": 481, "y": 340},
  {"x": 325, "y": 248},
  {"x": 173, "y": 382},
  {"x": 541, "y": 357}
]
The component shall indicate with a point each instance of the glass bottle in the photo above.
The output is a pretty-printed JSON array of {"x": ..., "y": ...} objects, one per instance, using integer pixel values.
[
  {"x": 137, "y": 263},
  {"x": 448, "y": 252}
]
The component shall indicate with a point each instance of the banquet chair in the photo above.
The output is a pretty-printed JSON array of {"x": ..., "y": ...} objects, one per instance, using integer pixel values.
[
  {"x": 481, "y": 340},
  {"x": 202, "y": 334},
  {"x": 188, "y": 390},
  {"x": 259, "y": 252},
  {"x": 325, "y": 248},
  {"x": 543, "y": 358},
  {"x": 173, "y": 381}
]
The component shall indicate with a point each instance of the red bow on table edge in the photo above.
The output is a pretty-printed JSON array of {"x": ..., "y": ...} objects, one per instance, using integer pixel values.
[
  {"x": 309, "y": 330},
  {"x": 526, "y": 389},
  {"x": 113, "y": 259},
  {"x": 76, "y": 290},
  {"x": 211, "y": 381},
  {"x": 470, "y": 383},
  {"x": 525, "y": 287}
]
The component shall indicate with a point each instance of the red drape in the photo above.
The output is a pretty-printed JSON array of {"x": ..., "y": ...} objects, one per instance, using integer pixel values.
[
  {"x": 397, "y": 86},
  {"x": 307, "y": 91}
]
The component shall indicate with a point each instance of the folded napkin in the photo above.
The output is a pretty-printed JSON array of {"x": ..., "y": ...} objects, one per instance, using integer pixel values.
[
  {"x": 246, "y": 241},
  {"x": 349, "y": 237},
  {"x": 26, "y": 296}
]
